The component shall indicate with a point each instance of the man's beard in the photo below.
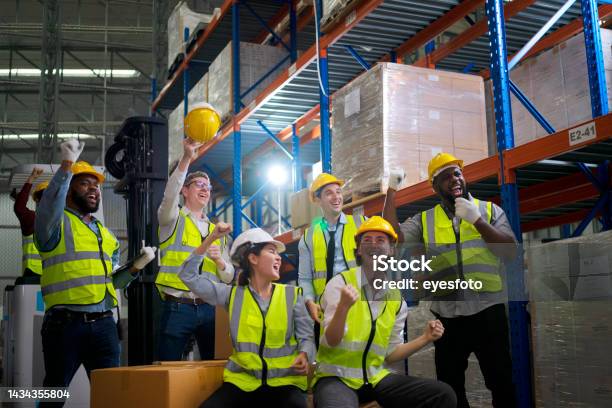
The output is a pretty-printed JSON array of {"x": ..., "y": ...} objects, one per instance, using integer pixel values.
[{"x": 83, "y": 205}]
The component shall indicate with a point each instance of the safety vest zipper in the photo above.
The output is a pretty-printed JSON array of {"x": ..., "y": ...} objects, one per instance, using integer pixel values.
[
  {"x": 264, "y": 365},
  {"x": 368, "y": 345},
  {"x": 458, "y": 250}
]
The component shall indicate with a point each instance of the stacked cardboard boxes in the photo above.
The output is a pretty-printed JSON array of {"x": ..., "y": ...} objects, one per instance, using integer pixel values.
[
  {"x": 570, "y": 292},
  {"x": 256, "y": 60},
  {"x": 400, "y": 116},
  {"x": 302, "y": 209},
  {"x": 556, "y": 82},
  {"x": 176, "y": 125}
]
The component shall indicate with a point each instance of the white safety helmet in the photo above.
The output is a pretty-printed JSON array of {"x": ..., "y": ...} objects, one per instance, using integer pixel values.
[{"x": 250, "y": 237}]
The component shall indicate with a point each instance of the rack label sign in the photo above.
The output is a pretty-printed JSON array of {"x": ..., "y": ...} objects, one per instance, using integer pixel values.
[{"x": 581, "y": 134}]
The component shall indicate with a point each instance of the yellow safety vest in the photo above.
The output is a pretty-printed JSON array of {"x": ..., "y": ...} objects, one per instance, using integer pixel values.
[
  {"x": 30, "y": 258},
  {"x": 465, "y": 256},
  {"x": 78, "y": 270},
  {"x": 174, "y": 252},
  {"x": 316, "y": 243},
  {"x": 264, "y": 347},
  {"x": 359, "y": 357}
]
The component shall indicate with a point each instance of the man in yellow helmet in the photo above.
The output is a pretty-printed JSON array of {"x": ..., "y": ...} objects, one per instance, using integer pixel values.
[
  {"x": 79, "y": 256},
  {"x": 328, "y": 245},
  {"x": 467, "y": 240},
  {"x": 31, "y": 265},
  {"x": 181, "y": 230},
  {"x": 362, "y": 334}
]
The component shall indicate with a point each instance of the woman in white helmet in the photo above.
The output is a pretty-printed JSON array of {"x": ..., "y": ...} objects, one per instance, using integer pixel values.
[{"x": 269, "y": 325}]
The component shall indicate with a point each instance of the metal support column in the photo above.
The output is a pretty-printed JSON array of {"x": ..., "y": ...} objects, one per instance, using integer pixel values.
[
  {"x": 49, "y": 80},
  {"x": 594, "y": 57},
  {"x": 237, "y": 173},
  {"x": 186, "y": 79},
  {"x": 324, "y": 99},
  {"x": 297, "y": 164},
  {"x": 519, "y": 330}
]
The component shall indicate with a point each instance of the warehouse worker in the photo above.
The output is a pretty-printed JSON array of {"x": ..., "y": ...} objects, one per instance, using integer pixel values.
[
  {"x": 31, "y": 265},
  {"x": 78, "y": 256},
  {"x": 181, "y": 230},
  {"x": 362, "y": 332},
  {"x": 475, "y": 321},
  {"x": 328, "y": 245},
  {"x": 270, "y": 328}
]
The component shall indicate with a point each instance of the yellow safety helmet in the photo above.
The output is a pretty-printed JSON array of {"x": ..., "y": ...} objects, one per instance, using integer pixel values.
[
  {"x": 321, "y": 181},
  {"x": 82, "y": 167},
  {"x": 440, "y": 162},
  {"x": 376, "y": 223},
  {"x": 39, "y": 188},
  {"x": 202, "y": 122}
]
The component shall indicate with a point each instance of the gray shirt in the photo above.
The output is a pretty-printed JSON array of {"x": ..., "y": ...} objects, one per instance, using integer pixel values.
[
  {"x": 168, "y": 214},
  {"x": 219, "y": 294},
  {"x": 306, "y": 268},
  {"x": 464, "y": 302}
]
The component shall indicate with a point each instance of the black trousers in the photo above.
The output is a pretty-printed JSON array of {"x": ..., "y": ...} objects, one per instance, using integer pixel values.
[
  {"x": 486, "y": 335},
  {"x": 393, "y": 391},
  {"x": 229, "y": 396}
]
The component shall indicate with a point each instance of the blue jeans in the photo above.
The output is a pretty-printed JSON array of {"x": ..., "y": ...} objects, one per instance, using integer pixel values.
[
  {"x": 69, "y": 341},
  {"x": 178, "y": 322}
]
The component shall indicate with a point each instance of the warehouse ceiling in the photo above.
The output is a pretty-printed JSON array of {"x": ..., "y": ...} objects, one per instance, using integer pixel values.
[{"x": 97, "y": 36}]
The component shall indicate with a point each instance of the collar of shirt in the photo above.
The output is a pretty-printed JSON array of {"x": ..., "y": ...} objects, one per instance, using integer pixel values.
[
  {"x": 195, "y": 216},
  {"x": 372, "y": 295},
  {"x": 341, "y": 220},
  {"x": 93, "y": 219}
]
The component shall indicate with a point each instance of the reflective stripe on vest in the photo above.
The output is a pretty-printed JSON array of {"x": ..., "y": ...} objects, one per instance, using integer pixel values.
[
  {"x": 176, "y": 249},
  {"x": 478, "y": 262},
  {"x": 364, "y": 335},
  {"x": 78, "y": 270},
  {"x": 317, "y": 244},
  {"x": 30, "y": 258},
  {"x": 264, "y": 348}
]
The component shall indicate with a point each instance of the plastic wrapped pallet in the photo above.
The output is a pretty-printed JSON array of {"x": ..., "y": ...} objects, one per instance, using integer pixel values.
[
  {"x": 570, "y": 291},
  {"x": 256, "y": 61},
  {"x": 556, "y": 82},
  {"x": 199, "y": 93},
  {"x": 422, "y": 363},
  {"x": 180, "y": 18},
  {"x": 400, "y": 116},
  {"x": 332, "y": 8}
]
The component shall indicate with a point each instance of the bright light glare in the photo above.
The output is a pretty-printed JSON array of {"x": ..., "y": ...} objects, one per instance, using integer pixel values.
[
  {"x": 30, "y": 136},
  {"x": 277, "y": 175},
  {"x": 73, "y": 73}
]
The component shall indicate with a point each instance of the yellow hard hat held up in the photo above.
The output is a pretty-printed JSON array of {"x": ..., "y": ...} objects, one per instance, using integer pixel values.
[
  {"x": 40, "y": 187},
  {"x": 82, "y": 167},
  {"x": 377, "y": 223},
  {"x": 321, "y": 181},
  {"x": 440, "y": 162},
  {"x": 202, "y": 123}
]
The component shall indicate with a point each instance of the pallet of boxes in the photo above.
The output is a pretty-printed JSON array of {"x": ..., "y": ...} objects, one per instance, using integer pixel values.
[
  {"x": 570, "y": 302},
  {"x": 398, "y": 116},
  {"x": 167, "y": 384},
  {"x": 556, "y": 81}
]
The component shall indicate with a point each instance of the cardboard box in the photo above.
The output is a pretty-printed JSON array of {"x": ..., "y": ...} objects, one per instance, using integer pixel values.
[
  {"x": 302, "y": 209},
  {"x": 556, "y": 82},
  {"x": 158, "y": 386},
  {"x": 256, "y": 61},
  {"x": 223, "y": 341},
  {"x": 399, "y": 116},
  {"x": 570, "y": 294}
]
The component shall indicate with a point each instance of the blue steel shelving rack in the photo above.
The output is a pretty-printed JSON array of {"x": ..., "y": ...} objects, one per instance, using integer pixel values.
[{"x": 503, "y": 172}]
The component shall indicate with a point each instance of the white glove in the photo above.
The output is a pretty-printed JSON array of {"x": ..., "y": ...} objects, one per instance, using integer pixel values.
[
  {"x": 396, "y": 178},
  {"x": 71, "y": 150},
  {"x": 147, "y": 254},
  {"x": 466, "y": 210}
]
